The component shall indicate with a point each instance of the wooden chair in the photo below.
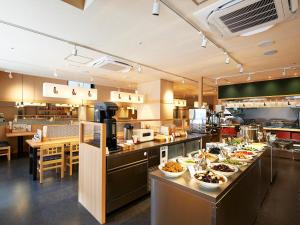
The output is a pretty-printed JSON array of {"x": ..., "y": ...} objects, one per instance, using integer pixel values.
[
  {"x": 5, "y": 149},
  {"x": 51, "y": 157},
  {"x": 72, "y": 156}
]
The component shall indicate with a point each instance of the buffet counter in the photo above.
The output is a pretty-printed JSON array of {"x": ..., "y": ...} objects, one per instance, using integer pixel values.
[
  {"x": 282, "y": 129},
  {"x": 176, "y": 201}
]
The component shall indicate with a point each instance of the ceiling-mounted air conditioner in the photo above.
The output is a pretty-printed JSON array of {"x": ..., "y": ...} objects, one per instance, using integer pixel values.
[
  {"x": 108, "y": 63},
  {"x": 230, "y": 18}
]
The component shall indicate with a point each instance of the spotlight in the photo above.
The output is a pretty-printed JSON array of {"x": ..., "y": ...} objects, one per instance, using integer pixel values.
[
  {"x": 249, "y": 78},
  {"x": 156, "y": 8},
  {"x": 74, "y": 51},
  {"x": 241, "y": 69},
  {"x": 139, "y": 68},
  {"x": 269, "y": 77},
  {"x": 10, "y": 76},
  {"x": 55, "y": 73},
  {"x": 183, "y": 81},
  {"x": 283, "y": 72},
  {"x": 204, "y": 41},
  {"x": 227, "y": 60}
]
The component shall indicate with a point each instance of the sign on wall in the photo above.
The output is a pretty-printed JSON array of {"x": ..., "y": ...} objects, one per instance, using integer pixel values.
[{"x": 64, "y": 91}]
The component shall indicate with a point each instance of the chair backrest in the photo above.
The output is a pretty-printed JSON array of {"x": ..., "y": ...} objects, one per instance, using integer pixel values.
[
  {"x": 74, "y": 146},
  {"x": 51, "y": 150}
]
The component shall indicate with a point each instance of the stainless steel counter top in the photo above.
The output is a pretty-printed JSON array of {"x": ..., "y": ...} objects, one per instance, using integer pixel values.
[{"x": 189, "y": 184}]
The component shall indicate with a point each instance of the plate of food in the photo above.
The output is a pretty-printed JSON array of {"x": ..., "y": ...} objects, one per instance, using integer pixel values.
[
  {"x": 172, "y": 169},
  {"x": 209, "y": 179},
  {"x": 223, "y": 169},
  {"x": 209, "y": 156},
  {"x": 187, "y": 161},
  {"x": 240, "y": 156},
  {"x": 250, "y": 153},
  {"x": 234, "y": 162}
]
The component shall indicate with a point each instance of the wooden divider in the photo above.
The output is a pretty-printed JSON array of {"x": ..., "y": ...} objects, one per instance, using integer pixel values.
[{"x": 92, "y": 174}]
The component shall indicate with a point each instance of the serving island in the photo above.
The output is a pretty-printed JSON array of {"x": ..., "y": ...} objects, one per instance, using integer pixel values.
[{"x": 182, "y": 201}]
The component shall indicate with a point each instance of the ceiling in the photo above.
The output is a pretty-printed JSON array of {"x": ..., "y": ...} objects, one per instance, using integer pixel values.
[{"x": 128, "y": 29}]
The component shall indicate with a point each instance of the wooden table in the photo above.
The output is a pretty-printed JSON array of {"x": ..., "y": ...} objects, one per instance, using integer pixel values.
[
  {"x": 20, "y": 136},
  {"x": 34, "y": 147}
]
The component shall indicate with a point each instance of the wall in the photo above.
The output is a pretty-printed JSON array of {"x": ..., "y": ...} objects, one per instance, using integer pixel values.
[
  {"x": 11, "y": 89},
  {"x": 271, "y": 113}
]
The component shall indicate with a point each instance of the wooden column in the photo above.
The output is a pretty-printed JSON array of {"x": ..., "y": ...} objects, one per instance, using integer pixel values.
[
  {"x": 92, "y": 171},
  {"x": 200, "y": 92}
]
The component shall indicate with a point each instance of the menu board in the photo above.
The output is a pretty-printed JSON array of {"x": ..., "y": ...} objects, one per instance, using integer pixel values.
[{"x": 280, "y": 87}]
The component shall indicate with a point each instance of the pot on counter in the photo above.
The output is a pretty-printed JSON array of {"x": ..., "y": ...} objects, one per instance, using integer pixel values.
[{"x": 249, "y": 132}]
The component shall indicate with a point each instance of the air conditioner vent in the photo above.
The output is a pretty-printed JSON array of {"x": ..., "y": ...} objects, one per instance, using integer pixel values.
[
  {"x": 110, "y": 64},
  {"x": 229, "y": 18},
  {"x": 252, "y": 15}
]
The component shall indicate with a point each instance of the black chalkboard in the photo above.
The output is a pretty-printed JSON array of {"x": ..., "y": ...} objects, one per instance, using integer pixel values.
[{"x": 288, "y": 86}]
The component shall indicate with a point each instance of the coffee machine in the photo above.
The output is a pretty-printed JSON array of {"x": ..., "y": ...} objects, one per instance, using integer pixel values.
[{"x": 104, "y": 112}]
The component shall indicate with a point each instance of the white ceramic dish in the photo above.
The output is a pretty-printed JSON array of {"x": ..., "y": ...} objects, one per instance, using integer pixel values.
[
  {"x": 227, "y": 174},
  {"x": 247, "y": 158},
  {"x": 187, "y": 161},
  {"x": 172, "y": 174},
  {"x": 253, "y": 153},
  {"x": 210, "y": 185}
]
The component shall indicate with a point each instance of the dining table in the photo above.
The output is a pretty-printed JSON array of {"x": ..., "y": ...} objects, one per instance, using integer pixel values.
[
  {"x": 20, "y": 135},
  {"x": 34, "y": 147}
]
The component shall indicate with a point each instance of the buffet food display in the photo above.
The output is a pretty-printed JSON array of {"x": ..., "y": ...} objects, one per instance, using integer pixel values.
[{"x": 211, "y": 167}]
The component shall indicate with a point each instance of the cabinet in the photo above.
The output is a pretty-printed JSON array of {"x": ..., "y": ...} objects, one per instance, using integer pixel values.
[{"x": 126, "y": 179}]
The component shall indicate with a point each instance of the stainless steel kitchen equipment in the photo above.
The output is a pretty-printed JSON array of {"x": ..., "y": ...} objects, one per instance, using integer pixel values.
[
  {"x": 128, "y": 131},
  {"x": 197, "y": 119},
  {"x": 249, "y": 132}
]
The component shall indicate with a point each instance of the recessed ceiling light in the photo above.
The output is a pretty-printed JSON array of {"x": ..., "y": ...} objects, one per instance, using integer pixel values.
[
  {"x": 249, "y": 77},
  {"x": 269, "y": 77},
  {"x": 259, "y": 30},
  {"x": 92, "y": 79},
  {"x": 266, "y": 43},
  {"x": 295, "y": 74},
  {"x": 183, "y": 81},
  {"x": 271, "y": 52},
  {"x": 283, "y": 72}
]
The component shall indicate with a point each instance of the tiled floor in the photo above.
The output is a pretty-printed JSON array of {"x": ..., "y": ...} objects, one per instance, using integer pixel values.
[{"x": 24, "y": 202}]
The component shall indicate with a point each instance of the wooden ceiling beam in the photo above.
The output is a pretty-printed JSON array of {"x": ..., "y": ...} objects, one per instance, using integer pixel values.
[{"x": 76, "y": 3}]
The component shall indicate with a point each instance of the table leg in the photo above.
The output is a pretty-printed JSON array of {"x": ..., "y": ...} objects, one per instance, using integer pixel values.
[
  {"x": 30, "y": 160},
  {"x": 20, "y": 146},
  {"x": 34, "y": 164}
]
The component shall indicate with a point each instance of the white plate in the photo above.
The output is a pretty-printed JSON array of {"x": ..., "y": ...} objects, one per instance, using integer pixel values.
[
  {"x": 227, "y": 174},
  {"x": 211, "y": 185},
  {"x": 172, "y": 174},
  {"x": 248, "y": 159},
  {"x": 183, "y": 161},
  {"x": 253, "y": 153}
]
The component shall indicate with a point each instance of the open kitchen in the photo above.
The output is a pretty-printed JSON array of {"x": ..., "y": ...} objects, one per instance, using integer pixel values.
[{"x": 154, "y": 112}]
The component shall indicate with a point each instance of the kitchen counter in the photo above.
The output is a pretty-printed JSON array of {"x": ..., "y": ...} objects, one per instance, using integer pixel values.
[
  {"x": 174, "y": 201},
  {"x": 282, "y": 129},
  {"x": 153, "y": 144}
]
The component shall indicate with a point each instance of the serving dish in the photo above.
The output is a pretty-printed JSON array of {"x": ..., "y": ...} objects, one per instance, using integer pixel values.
[
  {"x": 241, "y": 157},
  {"x": 234, "y": 162},
  {"x": 223, "y": 169},
  {"x": 187, "y": 161},
  {"x": 162, "y": 167},
  {"x": 249, "y": 153},
  {"x": 209, "y": 179}
]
